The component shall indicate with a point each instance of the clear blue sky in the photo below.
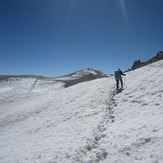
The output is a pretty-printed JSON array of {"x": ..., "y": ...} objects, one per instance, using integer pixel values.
[{"x": 57, "y": 37}]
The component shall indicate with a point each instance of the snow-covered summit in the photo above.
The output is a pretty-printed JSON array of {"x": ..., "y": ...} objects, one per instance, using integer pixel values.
[
  {"x": 88, "y": 72},
  {"x": 81, "y": 76},
  {"x": 86, "y": 123}
]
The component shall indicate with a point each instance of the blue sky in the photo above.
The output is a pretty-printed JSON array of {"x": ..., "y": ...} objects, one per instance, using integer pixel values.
[{"x": 57, "y": 37}]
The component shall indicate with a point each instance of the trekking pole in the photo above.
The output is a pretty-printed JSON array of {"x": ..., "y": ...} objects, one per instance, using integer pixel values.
[{"x": 124, "y": 81}]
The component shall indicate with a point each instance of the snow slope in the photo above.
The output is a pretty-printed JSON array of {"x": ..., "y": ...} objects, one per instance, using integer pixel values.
[
  {"x": 19, "y": 88},
  {"x": 88, "y": 122},
  {"x": 13, "y": 88}
]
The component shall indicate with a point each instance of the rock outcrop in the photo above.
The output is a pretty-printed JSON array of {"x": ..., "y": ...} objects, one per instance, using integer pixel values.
[{"x": 138, "y": 63}]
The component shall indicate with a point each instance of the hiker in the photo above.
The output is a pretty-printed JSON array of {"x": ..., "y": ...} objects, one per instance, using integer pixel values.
[{"x": 118, "y": 78}]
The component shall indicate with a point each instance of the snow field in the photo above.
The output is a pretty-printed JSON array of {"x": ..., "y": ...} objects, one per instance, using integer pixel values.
[
  {"x": 137, "y": 133},
  {"x": 43, "y": 86},
  {"x": 14, "y": 88},
  {"x": 51, "y": 127},
  {"x": 20, "y": 88},
  {"x": 132, "y": 130},
  {"x": 88, "y": 122}
]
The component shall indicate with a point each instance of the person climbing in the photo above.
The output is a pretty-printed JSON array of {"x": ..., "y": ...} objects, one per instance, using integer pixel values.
[{"x": 118, "y": 78}]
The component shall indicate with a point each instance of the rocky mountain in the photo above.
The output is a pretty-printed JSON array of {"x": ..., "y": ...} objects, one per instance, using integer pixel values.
[
  {"x": 138, "y": 63},
  {"x": 81, "y": 76}
]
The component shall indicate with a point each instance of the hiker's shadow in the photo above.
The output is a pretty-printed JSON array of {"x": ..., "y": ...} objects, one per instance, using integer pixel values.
[{"x": 119, "y": 90}]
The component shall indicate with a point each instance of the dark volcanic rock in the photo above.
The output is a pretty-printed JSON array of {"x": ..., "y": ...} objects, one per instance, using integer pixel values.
[{"x": 138, "y": 63}]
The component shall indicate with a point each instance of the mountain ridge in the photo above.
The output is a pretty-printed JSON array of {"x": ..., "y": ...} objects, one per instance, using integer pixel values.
[
  {"x": 139, "y": 63},
  {"x": 69, "y": 79}
]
